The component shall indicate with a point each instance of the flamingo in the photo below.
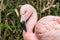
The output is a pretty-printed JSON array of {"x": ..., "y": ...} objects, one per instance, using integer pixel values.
[{"x": 47, "y": 28}]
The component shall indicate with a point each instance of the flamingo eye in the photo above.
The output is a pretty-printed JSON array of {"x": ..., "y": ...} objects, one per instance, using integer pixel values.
[{"x": 25, "y": 12}]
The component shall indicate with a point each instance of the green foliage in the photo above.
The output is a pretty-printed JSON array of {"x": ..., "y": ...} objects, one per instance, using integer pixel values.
[{"x": 10, "y": 28}]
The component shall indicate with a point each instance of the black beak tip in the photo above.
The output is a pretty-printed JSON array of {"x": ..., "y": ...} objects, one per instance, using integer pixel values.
[{"x": 23, "y": 25}]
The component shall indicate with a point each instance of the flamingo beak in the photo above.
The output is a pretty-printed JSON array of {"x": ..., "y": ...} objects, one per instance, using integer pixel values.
[{"x": 23, "y": 25}]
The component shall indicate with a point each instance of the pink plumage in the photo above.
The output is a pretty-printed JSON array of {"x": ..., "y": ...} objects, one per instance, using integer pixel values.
[{"x": 47, "y": 28}]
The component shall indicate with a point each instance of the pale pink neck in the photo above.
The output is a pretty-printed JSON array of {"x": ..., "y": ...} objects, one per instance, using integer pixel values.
[{"x": 32, "y": 21}]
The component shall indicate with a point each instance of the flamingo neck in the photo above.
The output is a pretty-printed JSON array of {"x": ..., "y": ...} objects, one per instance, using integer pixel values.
[{"x": 31, "y": 22}]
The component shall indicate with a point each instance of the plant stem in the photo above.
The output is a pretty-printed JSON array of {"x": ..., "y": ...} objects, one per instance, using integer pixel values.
[
  {"x": 48, "y": 5},
  {"x": 40, "y": 8}
]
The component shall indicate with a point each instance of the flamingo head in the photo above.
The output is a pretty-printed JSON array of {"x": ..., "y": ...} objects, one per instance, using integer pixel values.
[{"x": 25, "y": 12}]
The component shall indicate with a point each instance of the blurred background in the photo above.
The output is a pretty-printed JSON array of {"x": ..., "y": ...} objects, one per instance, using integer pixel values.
[{"x": 10, "y": 28}]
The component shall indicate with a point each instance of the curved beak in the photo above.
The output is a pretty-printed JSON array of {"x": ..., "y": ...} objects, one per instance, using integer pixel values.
[{"x": 23, "y": 25}]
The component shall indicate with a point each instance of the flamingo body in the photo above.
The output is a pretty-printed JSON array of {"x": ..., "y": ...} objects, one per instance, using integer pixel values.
[{"x": 48, "y": 28}]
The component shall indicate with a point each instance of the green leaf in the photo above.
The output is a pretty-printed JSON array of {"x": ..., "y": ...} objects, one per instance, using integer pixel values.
[{"x": 5, "y": 25}]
